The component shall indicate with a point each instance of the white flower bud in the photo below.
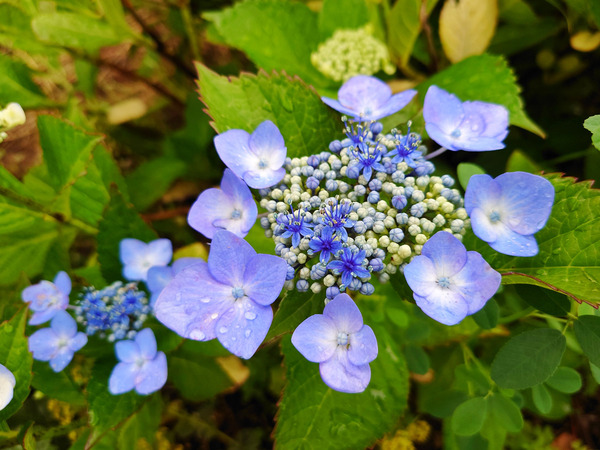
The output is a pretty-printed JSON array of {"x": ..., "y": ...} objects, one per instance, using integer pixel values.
[
  {"x": 404, "y": 251},
  {"x": 304, "y": 273},
  {"x": 384, "y": 241},
  {"x": 382, "y": 206},
  {"x": 420, "y": 239},
  {"x": 389, "y": 222},
  {"x": 329, "y": 280},
  {"x": 447, "y": 208},
  {"x": 301, "y": 258},
  {"x": 461, "y": 213},
  {"x": 393, "y": 247},
  {"x": 315, "y": 287}
]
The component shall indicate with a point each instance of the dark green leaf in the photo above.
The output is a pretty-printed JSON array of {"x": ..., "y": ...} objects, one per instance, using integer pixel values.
[
  {"x": 487, "y": 318},
  {"x": 465, "y": 171},
  {"x": 469, "y": 416},
  {"x": 487, "y": 78},
  {"x": 541, "y": 398},
  {"x": 245, "y": 102},
  {"x": 56, "y": 385},
  {"x": 595, "y": 372},
  {"x": 293, "y": 309},
  {"x": 404, "y": 26},
  {"x": 565, "y": 380},
  {"x": 417, "y": 359},
  {"x": 520, "y": 162},
  {"x": 342, "y": 14},
  {"x": 140, "y": 429},
  {"x": 593, "y": 125},
  {"x": 545, "y": 300},
  {"x": 28, "y": 439},
  {"x": 15, "y": 356},
  {"x": 587, "y": 331},
  {"x": 151, "y": 180},
  {"x": 528, "y": 359},
  {"x": 504, "y": 412}
]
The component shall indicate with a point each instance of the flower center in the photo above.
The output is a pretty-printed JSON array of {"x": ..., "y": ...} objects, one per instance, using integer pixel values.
[
  {"x": 236, "y": 214},
  {"x": 456, "y": 133},
  {"x": 342, "y": 338},
  {"x": 494, "y": 216},
  {"x": 262, "y": 164},
  {"x": 444, "y": 282},
  {"x": 237, "y": 292}
]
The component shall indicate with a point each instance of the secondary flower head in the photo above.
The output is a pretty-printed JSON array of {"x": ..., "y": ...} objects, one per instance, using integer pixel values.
[
  {"x": 326, "y": 243},
  {"x": 341, "y": 344},
  {"x": 230, "y": 208},
  {"x": 58, "y": 343},
  {"x": 256, "y": 158},
  {"x": 473, "y": 126},
  {"x": 227, "y": 298},
  {"x": 141, "y": 366},
  {"x": 293, "y": 225},
  {"x": 448, "y": 282},
  {"x": 406, "y": 149},
  {"x": 137, "y": 257},
  {"x": 7, "y": 386},
  {"x": 334, "y": 215},
  {"x": 367, "y": 98},
  {"x": 349, "y": 265},
  {"x": 365, "y": 159},
  {"x": 160, "y": 276},
  {"x": 506, "y": 211},
  {"x": 47, "y": 298}
]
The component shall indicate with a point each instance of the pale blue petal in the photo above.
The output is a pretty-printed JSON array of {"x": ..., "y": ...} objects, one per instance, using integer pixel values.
[
  {"x": 264, "y": 278},
  {"x": 63, "y": 324},
  {"x": 232, "y": 147},
  {"x": 159, "y": 252},
  {"x": 78, "y": 342},
  {"x": 181, "y": 263},
  {"x": 131, "y": 250},
  {"x": 211, "y": 205},
  {"x": 244, "y": 326},
  {"x": 440, "y": 137},
  {"x": 192, "y": 302},
  {"x": 316, "y": 338},
  {"x": 7, "y": 383},
  {"x": 514, "y": 244},
  {"x": 263, "y": 178},
  {"x": 477, "y": 282},
  {"x": 136, "y": 272},
  {"x": 483, "y": 227},
  {"x": 61, "y": 359},
  {"x": 44, "y": 316},
  {"x": 127, "y": 351},
  {"x": 158, "y": 277},
  {"x": 363, "y": 346},
  {"x": 496, "y": 118},
  {"x": 394, "y": 104},
  {"x": 364, "y": 94},
  {"x": 444, "y": 305},
  {"x": 341, "y": 375},
  {"x": 344, "y": 313},
  {"x": 267, "y": 143},
  {"x": 146, "y": 342},
  {"x": 338, "y": 107},
  {"x": 228, "y": 258},
  {"x": 442, "y": 109},
  {"x": 63, "y": 282},
  {"x": 479, "y": 144},
  {"x": 482, "y": 192},
  {"x": 37, "y": 293},
  {"x": 43, "y": 344},
  {"x": 152, "y": 376},
  {"x": 122, "y": 378},
  {"x": 446, "y": 252},
  {"x": 421, "y": 275}
]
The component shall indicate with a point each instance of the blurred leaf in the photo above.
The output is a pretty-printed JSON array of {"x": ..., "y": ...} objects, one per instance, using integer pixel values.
[
  {"x": 341, "y": 14},
  {"x": 505, "y": 413},
  {"x": 56, "y": 385},
  {"x": 487, "y": 317},
  {"x": 465, "y": 171},
  {"x": 520, "y": 162},
  {"x": 545, "y": 300},
  {"x": 16, "y": 85},
  {"x": 275, "y": 35},
  {"x": 404, "y": 26},
  {"x": 114, "y": 14},
  {"x": 72, "y": 30},
  {"x": 487, "y": 78},
  {"x": 595, "y": 372},
  {"x": 15, "y": 356},
  {"x": 587, "y": 331},
  {"x": 293, "y": 309},
  {"x": 541, "y": 398},
  {"x": 565, "y": 380},
  {"x": 245, "y": 102},
  {"x": 469, "y": 416},
  {"x": 513, "y": 38},
  {"x": 140, "y": 429},
  {"x": 152, "y": 178},
  {"x": 313, "y": 416},
  {"x": 467, "y": 27},
  {"x": 528, "y": 359},
  {"x": 592, "y": 124},
  {"x": 417, "y": 359},
  {"x": 28, "y": 440}
]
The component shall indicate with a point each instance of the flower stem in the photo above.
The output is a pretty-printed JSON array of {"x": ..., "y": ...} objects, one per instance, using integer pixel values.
[{"x": 439, "y": 151}]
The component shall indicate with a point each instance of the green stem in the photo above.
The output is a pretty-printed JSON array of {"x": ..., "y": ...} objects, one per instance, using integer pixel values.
[{"x": 188, "y": 24}]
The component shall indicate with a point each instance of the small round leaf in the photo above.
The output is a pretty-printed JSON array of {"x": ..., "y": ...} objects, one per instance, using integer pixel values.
[
  {"x": 565, "y": 380},
  {"x": 469, "y": 416},
  {"x": 541, "y": 398}
]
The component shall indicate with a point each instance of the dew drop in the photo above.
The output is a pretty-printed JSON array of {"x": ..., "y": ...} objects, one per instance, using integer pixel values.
[
  {"x": 233, "y": 338},
  {"x": 223, "y": 330},
  {"x": 247, "y": 333},
  {"x": 214, "y": 316},
  {"x": 205, "y": 300},
  {"x": 250, "y": 315},
  {"x": 197, "y": 335}
]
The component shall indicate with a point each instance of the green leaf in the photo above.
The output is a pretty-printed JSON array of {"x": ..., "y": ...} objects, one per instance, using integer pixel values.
[
  {"x": 293, "y": 309},
  {"x": 520, "y": 162},
  {"x": 592, "y": 124},
  {"x": 569, "y": 244},
  {"x": 487, "y": 78},
  {"x": 404, "y": 26},
  {"x": 465, "y": 171},
  {"x": 541, "y": 398},
  {"x": 29, "y": 440},
  {"x": 74, "y": 30},
  {"x": 17, "y": 86},
  {"x": 354, "y": 15},
  {"x": 487, "y": 318},
  {"x": 275, "y": 35},
  {"x": 587, "y": 331},
  {"x": 245, "y": 102},
  {"x": 565, "y": 380},
  {"x": 151, "y": 180},
  {"x": 105, "y": 409},
  {"x": 417, "y": 359},
  {"x": 313, "y": 416},
  {"x": 67, "y": 150},
  {"x": 140, "y": 429},
  {"x": 56, "y": 385},
  {"x": 511, "y": 38},
  {"x": 595, "y": 372},
  {"x": 528, "y": 359},
  {"x": 504, "y": 412},
  {"x": 120, "y": 221},
  {"x": 469, "y": 416},
  {"x": 15, "y": 356},
  {"x": 545, "y": 300}
]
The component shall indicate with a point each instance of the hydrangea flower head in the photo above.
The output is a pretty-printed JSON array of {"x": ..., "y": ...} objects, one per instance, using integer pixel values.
[
  {"x": 406, "y": 149},
  {"x": 47, "y": 298},
  {"x": 141, "y": 366},
  {"x": 58, "y": 343},
  {"x": 256, "y": 158},
  {"x": 341, "y": 344},
  {"x": 474, "y": 126},
  {"x": 365, "y": 159},
  {"x": 448, "y": 282},
  {"x": 231, "y": 208},
  {"x": 7, "y": 386},
  {"x": 334, "y": 215},
  {"x": 137, "y": 257},
  {"x": 349, "y": 265},
  {"x": 367, "y": 98},
  {"x": 293, "y": 225},
  {"x": 506, "y": 211},
  {"x": 227, "y": 298},
  {"x": 326, "y": 243}
]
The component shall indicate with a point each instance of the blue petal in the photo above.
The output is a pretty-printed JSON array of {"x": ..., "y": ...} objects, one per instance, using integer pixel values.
[
  {"x": 127, "y": 351},
  {"x": 40, "y": 317},
  {"x": 394, "y": 104},
  {"x": 147, "y": 343},
  {"x": 446, "y": 252},
  {"x": 477, "y": 282},
  {"x": 440, "y": 137},
  {"x": 495, "y": 116},
  {"x": 443, "y": 305},
  {"x": 483, "y": 227},
  {"x": 243, "y": 327},
  {"x": 152, "y": 376},
  {"x": 344, "y": 313},
  {"x": 63, "y": 282},
  {"x": 229, "y": 256},
  {"x": 263, "y": 178},
  {"x": 338, "y": 107},
  {"x": 482, "y": 192},
  {"x": 364, "y": 95},
  {"x": 131, "y": 250},
  {"x": 443, "y": 110},
  {"x": 340, "y": 374},
  {"x": 43, "y": 344},
  {"x": 158, "y": 277},
  {"x": 61, "y": 359},
  {"x": 264, "y": 278},
  {"x": 78, "y": 342},
  {"x": 122, "y": 378},
  {"x": 211, "y": 205},
  {"x": 478, "y": 144},
  {"x": 181, "y": 263},
  {"x": 63, "y": 324},
  {"x": 316, "y": 338},
  {"x": 267, "y": 142},
  {"x": 159, "y": 252},
  {"x": 232, "y": 147},
  {"x": 421, "y": 275},
  {"x": 514, "y": 244},
  {"x": 363, "y": 346}
]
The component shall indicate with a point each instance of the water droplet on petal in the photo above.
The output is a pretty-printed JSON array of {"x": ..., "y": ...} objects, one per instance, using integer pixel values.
[
  {"x": 247, "y": 333},
  {"x": 223, "y": 330},
  {"x": 214, "y": 316},
  {"x": 233, "y": 338},
  {"x": 197, "y": 335},
  {"x": 250, "y": 315},
  {"x": 205, "y": 299}
]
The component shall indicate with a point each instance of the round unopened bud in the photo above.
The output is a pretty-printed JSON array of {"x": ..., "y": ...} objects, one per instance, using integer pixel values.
[
  {"x": 315, "y": 288},
  {"x": 393, "y": 247},
  {"x": 384, "y": 241},
  {"x": 418, "y": 196},
  {"x": 420, "y": 239},
  {"x": 389, "y": 222},
  {"x": 447, "y": 207},
  {"x": 378, "y": 227},
  {"x": 392, "y": 268},
  {"x": 461, "y": 213},
  {"x": 302, "y": 285},
  {"x": 382, "y": 205},
  {"x": 404, "y": 251},
  {"x": 323, "y": 195},
  {"x": 304, "y": 273},
  {"x": 11, "y": 116},
  {"x": 301, "y": 258},
  {"x": 332, "y": 292},
  {"x": 329, "y": 280}
]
